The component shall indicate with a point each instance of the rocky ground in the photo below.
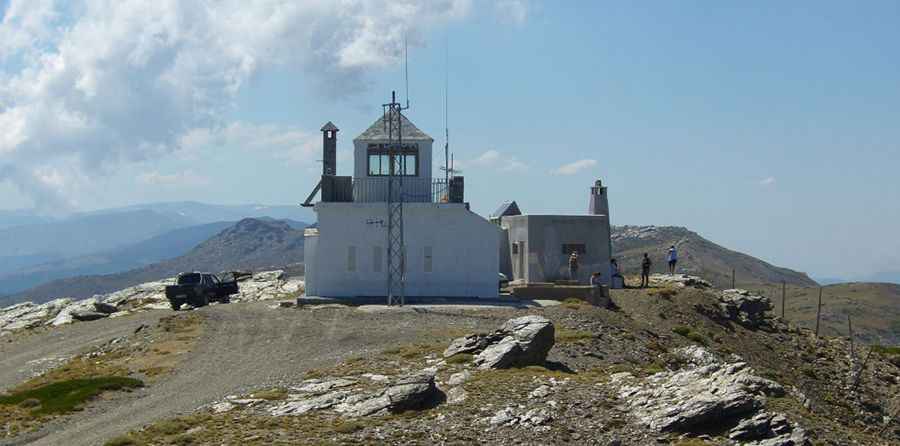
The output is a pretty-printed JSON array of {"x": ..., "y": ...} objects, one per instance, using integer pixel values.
[{"x": 680, "y": 364}]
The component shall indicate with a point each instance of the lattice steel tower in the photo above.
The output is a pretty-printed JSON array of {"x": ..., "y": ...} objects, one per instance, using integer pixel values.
[{"x": 396, "y": 249}]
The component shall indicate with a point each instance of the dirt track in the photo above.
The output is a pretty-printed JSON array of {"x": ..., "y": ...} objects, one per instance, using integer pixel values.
[{"x": 244, "y": 347}]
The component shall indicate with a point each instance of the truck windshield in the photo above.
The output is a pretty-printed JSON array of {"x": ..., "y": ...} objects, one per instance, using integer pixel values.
[{"x": 189, "y": 279}]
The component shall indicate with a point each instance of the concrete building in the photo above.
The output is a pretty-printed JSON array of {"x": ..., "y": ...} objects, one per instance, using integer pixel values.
[
  {"x": 536, "y": 248},
  {"x": 450, "y": 251}
]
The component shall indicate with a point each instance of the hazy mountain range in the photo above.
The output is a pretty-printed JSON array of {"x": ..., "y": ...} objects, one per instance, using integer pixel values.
[{"x": 35, "y": 249}]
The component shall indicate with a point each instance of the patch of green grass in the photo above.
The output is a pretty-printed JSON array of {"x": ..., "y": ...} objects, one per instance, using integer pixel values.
[
  {"x": 690, "y": 334},
  {"x": 565, "y": 335},
  {"x": 886, "y": 349},
  {"x": 667, "y": 293},
  {"x": 124, "y": 440},
  {"x": 271, "y": 394},
  {"x": 65, "y": 396},
  {"x": 460, "y": 358},
  {"x": 348, "y": 427},
  {"x": 415, "y": 351}
]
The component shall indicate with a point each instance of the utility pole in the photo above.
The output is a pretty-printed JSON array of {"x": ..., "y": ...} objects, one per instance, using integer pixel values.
[
  {"x": 818, "y": 312},
  {"x": 732, "y": 279},
  {"x": 783, "y": 296}
]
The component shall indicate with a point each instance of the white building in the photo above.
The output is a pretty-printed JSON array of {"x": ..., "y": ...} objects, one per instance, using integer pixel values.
[{"x": 450, "y": 251}]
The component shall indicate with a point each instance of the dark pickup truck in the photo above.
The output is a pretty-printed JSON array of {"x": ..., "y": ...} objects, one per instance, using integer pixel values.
[{"x": 199, "y": 289}]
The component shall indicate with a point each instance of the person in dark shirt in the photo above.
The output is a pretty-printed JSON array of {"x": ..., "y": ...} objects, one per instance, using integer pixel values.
[{"x": 645, "y": 271}]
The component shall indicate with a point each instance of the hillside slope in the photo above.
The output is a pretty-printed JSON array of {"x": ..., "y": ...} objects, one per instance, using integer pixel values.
[
  {"x": 873, "y": 307},
  {"x": 251, "y": 244},
  {"x": 165, "y": 246},
  {"x": 697, "y": 256}
]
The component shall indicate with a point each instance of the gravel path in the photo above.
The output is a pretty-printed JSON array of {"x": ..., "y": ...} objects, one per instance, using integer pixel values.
[
  {"x": 244, "y": 347},
  {"x": 33, "y": 353}
]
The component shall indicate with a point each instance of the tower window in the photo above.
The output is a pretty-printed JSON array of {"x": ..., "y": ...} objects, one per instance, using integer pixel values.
[{"x": 404, "y": 162}]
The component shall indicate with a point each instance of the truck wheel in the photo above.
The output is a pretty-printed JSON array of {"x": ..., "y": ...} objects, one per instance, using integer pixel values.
[
  {"x": 225, "y": 299},
  {"x": 175, "y": 305}
]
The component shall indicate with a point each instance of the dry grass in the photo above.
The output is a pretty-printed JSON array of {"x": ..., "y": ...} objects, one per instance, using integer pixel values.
[{"x": 565, "y": 335}]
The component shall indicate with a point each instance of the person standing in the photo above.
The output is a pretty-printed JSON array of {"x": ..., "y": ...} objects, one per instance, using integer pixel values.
[
  {"x": 615, "y": 274},
  {"x": 573, "y": 267},
  {"x": 645, "y": 271},
  {"x": 672, "y": 258}
]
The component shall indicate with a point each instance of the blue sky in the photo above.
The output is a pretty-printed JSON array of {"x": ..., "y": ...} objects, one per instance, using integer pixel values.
[{"x": 768, "y": 127}]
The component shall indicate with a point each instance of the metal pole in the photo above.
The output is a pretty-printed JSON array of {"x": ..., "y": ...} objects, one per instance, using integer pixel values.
[
  {"x": 850, "y": 328},
  {"x": 783, "y": 296},
  {"x": 818, "y": 312},
  {"x": 732, "y": 279}
]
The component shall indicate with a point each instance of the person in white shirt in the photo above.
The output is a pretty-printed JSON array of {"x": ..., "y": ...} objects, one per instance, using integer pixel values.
[{"x": 672, "y": 258}]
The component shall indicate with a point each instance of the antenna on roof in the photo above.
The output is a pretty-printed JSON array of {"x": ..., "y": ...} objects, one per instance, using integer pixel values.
[
  {"x": 406, "y": 64},
  {"x": 446, "y": 108}
]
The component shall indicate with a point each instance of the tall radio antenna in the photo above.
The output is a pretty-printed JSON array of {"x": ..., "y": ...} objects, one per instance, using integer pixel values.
[
  {"x": 446, "y": 113},
  {"x": 406, "y": 65}
]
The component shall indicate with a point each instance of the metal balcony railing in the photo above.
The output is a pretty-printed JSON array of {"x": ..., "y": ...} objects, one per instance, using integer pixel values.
[{"x": 415, "y": 190}]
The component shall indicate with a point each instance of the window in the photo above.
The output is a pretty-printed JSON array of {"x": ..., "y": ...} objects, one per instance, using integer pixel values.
[
  {"x": 428, "y": 259},
  {"x": 377, "y": 255},
  {"x": 568, "y": 248},
  {"x": 351, "y": 258},
  {"x": 515, "y": 247},
  {"x": 404, "y": 162}
]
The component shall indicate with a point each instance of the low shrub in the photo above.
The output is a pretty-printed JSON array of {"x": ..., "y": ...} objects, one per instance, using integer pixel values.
[{"x": 66, "y": 396}]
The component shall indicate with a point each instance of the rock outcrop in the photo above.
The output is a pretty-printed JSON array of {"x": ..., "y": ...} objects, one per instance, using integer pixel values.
[
  {"x": 744, "y": 307},
  {"x": 147, "y": 296},
  {"x": 519, "y": 342},
  {"x": 678, "y": 281},
  {"x": 708, "y": 392},
  {"x": 406, "y": 392}
]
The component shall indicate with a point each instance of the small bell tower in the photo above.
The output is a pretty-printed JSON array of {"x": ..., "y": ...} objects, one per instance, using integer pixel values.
[
  {"x": 329, "y": 149},
  {"x": 599, "y": 204}
]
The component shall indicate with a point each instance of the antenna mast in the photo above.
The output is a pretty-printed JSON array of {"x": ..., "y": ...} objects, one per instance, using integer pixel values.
[{"x": 446, "y": 115}]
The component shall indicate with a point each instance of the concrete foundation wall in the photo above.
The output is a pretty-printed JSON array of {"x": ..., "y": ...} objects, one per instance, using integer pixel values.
[
  {"x": 539, "y": 256},
  {"x": 458, "y": 247}
]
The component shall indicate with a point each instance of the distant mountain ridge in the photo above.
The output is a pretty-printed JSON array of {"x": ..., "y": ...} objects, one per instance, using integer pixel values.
[
  {"x": 161, "y": 247},
  {"x": 28, "y": 239},
  {"x": 251, "y": 244},
  {"x": 697, "y": 255}
]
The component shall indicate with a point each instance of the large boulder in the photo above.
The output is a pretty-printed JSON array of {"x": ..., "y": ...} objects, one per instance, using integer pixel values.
[
  {"x": 708, "y": 392},
  {"x": 519, "y": 342},
  {"x": 744, "y": 307},
  {"x": 406, "y": 392}
]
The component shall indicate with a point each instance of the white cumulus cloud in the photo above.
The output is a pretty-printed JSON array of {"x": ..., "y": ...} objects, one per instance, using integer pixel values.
[
  {"x": 496, "y": 160},
  {"x": 574, "y": 167},
  {"x": 93, "y": 84},
  {"x": 768, "y": 182}
]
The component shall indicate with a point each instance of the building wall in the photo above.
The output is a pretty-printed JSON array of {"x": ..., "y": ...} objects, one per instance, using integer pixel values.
[
  {"x": 350, "y": 257},
  {"x": 540, "y": 239}
]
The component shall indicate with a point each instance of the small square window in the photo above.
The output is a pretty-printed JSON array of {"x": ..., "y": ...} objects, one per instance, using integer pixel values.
[
  {"x": 428, "y": 259},
  {"x": 351, "y": 259}
]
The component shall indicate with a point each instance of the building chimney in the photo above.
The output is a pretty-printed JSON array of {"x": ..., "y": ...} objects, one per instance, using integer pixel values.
[
  {"x": 599, "y": 204},
  {"x": 329, "y": 149}
]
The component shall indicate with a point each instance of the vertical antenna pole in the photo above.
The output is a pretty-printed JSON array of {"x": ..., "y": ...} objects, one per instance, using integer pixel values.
[
  {"x": 447, "y": 116},
  {"x": 783, "y": 296},
  {"x": 406, "y": 65},
  {"x": 818, "y": 312}
]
